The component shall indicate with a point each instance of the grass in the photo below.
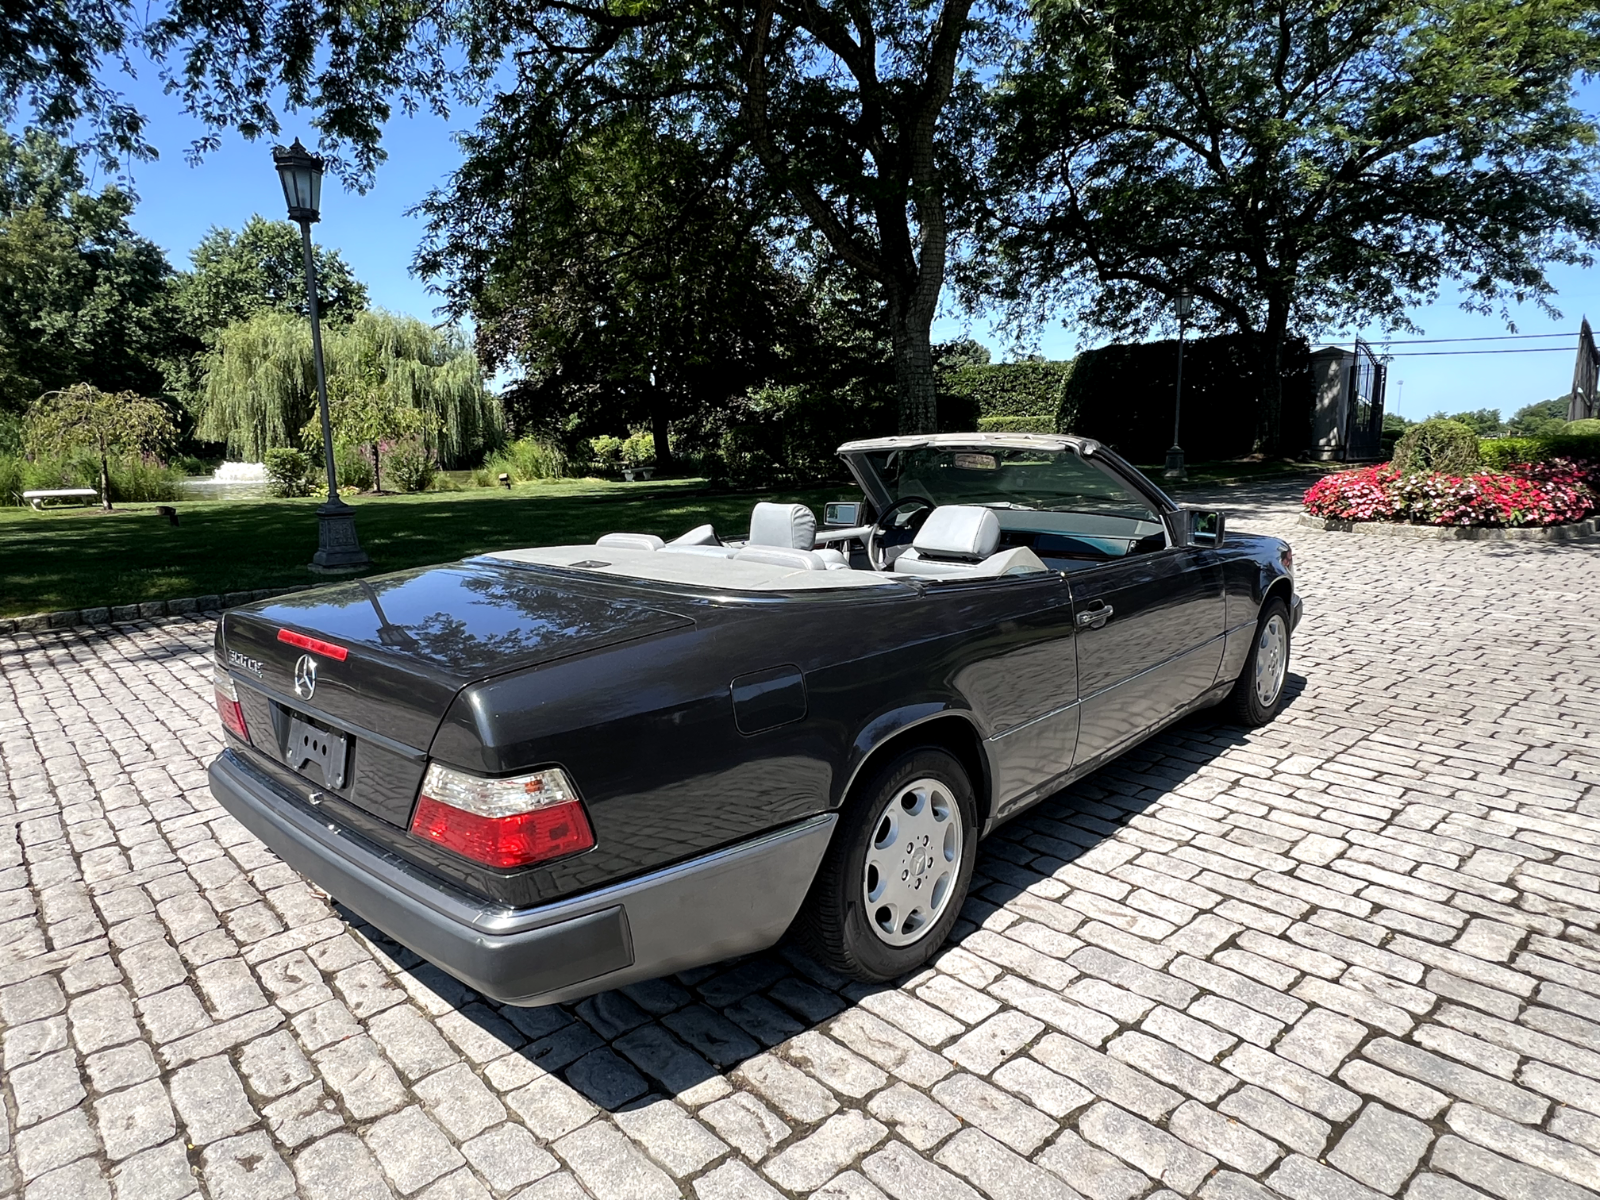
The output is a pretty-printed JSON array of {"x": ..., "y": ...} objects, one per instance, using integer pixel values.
[{"x": 81, "y": 558}]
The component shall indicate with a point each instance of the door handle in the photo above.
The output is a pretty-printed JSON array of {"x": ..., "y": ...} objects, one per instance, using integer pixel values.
[{"x": 1094, "y": 618}]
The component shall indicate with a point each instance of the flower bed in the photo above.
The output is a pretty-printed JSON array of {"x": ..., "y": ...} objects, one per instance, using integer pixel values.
[{"x": 1556, "y": 492}]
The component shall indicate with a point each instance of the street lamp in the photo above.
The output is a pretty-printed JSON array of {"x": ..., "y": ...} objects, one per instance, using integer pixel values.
[
  {"x": 338, "y": 549},
  {"x": 1184, "y": 304}
]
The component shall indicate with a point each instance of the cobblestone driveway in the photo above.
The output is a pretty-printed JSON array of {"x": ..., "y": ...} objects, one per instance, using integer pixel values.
[{"x": 1349, "y": 955}]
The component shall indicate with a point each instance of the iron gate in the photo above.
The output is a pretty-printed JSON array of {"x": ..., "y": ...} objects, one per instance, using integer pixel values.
[{"x": 1363, "y": 419}]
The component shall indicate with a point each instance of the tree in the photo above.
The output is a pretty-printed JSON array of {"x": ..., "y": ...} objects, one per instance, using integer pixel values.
[
  {"x": 1293, "y": 163},
  {"x": 1543, "y": 419},
  {"x": 363, "y": 412},
  {"x": 260, "y": 380},
  {"x": 1485, "y": 422},
  {"x": 620, "y": 276},
  {"x": 82, "y": 297},
  {"x": 108, "y": 423},
  {"x": 235, "y": 276},
  {"x": 963, "y": 352}
]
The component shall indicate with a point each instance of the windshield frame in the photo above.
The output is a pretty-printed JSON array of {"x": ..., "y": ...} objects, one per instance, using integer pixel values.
[{"x": 857, "y": 457}]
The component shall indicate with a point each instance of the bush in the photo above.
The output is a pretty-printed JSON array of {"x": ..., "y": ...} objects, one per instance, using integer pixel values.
[
  {"x": 639, "y": 450},
  {"x": 1500, "y": 453},
  {"x": 11, "y": 478},
  {"x": 1550, "y": 493},
  {"x": 288, "y": 472},
  {"x": 525, "y": 460},
  {"x": 1437, "y": 446},
  {"x": 135, "y": 480},
  {"x": 145, "y": 482},
  {"x": 190, "y": 465},
  {"x": 970, "y": 394},
  {"x": 1588, "y": 427},
  {"x": 1034, "y": 424},
  {"x": 607, "y": 451},
  {"x": 352, "y": 466},
  {"x": 409, "y": 465}
]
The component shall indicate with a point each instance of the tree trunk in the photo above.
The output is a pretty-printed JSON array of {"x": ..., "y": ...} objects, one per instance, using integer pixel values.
[
  {"x": 913, "y": 364},
  {"x": 1269, "y": 423},
  {"x": 660, "y": 428},
  {"x": 105, "y": 482},
  {"x": 377, "y": 481}
]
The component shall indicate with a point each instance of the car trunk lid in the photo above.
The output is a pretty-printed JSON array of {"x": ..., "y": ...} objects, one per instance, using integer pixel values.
[{"x": 377, "y": 663}]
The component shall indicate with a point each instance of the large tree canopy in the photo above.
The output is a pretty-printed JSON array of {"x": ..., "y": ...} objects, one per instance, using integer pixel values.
[
  {"x": 260, "y": 380},
  {"x": 1293, "y": 162},
  {"x": 82, "y": 297},
  {"x": 861, "y": 113},
  {"x": 623, "y": 278},
  {"x": 236, "y": 275}
]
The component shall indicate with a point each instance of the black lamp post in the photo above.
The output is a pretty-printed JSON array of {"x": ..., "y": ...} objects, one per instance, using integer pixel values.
[
  {"x": 338, "y": 549},
  {"x": 1175, "y": 469}
]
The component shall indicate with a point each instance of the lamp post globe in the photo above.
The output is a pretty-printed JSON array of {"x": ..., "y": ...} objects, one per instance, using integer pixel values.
[
  {"x": 338, "y": 548},
  {"x": 1183, "y": 306}
]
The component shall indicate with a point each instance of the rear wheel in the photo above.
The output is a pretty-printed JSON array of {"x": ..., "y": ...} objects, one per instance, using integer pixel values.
[
  {"x": 896, "y": 874},
  {"x": 1258, "y": 694}
]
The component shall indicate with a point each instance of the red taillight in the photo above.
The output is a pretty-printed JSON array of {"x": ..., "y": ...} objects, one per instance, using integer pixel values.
[
  {"x": 315, "y": 645},
  {"x": 228, "y": 706},
  {"x": 514, "y": 841},
  {"x": 512, "y": 822}
]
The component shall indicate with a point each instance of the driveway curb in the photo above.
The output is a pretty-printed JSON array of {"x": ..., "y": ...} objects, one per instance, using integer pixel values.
[
  {"x": 116, "y": 614},
  {"x": 1455, "y": 533}
]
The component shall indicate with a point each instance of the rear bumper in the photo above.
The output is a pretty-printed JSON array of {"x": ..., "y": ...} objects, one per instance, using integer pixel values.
[{"x": 733, "y": 901}]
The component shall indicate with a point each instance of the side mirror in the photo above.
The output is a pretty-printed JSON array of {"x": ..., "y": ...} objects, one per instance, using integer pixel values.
[{"x": 1204, "y": 527}]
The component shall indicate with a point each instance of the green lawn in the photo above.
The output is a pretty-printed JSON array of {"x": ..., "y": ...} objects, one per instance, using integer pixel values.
[{"x": 82, "y": 558}]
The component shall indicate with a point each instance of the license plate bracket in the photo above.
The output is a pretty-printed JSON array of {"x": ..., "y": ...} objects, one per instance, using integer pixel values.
[{"x": 312, "y": 751}]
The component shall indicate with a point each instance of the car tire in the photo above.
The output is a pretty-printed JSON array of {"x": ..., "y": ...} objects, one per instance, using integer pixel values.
[
  {"x": 1258, "y": 693},
  {"x": 916, "y": 815}
]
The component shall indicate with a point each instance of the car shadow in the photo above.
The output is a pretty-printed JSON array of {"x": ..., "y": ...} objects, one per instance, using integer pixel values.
[{"x": 681, "y": 1036}]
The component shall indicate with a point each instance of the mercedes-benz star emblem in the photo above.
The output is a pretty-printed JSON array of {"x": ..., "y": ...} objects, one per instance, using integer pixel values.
[{"x": 305, "y": 677}]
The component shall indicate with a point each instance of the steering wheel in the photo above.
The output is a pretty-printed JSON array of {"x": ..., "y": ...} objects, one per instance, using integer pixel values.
[{"x": 890, "y": 521}]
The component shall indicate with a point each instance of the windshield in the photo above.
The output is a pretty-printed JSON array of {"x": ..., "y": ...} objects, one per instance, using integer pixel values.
[{"x": 1037, "y": 479}]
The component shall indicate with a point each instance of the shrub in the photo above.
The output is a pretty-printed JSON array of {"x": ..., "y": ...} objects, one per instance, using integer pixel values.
[
  {"x": 288, "y": 472},
  {"x": 11, "y": 478},
  {"x": 639, "y": 450},
  {"x": 410, "y": 465},
  {"x": 607, "y": 451},
  {"x": 1588, "y": 427},
  {"x": 1437, "y": 445},
  {"x": 1500, "y": 453},
  {"x": 144, "y": 481},
  {"x": 525, "y": 460},
  {"x": 1003, "y": 389},
  {"x": 352, "y": 466},
  {"x": 190, "y": 465},
  {"x": 1033, "y": 424}
]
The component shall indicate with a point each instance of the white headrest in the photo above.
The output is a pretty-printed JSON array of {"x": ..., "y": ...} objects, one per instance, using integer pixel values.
[
  {"x": 630, "y": 541},
  {"x": 783, "y": 556},
  {"x": 959, "y": 530},
  {"x": 791, "y": 525},
  {"x": 700, "y": 535}
]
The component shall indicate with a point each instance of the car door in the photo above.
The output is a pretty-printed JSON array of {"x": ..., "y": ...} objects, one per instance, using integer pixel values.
[{"x": 1149, "y": 642}]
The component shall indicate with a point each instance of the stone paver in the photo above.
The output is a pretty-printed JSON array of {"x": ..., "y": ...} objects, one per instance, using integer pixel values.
[{"x": 1350, "y": 956}]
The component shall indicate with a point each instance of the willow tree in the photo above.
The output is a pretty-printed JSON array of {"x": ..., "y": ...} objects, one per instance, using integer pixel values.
[{"x": 260, "y": 380}]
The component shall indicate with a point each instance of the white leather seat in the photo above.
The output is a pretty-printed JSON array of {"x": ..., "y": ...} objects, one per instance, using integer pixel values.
[
  {"x": 700, "y": 535},
  {"x": 961, "y": 541},
  {"x": 793, "y": 526},
  {"x": 954, "y": 539}
]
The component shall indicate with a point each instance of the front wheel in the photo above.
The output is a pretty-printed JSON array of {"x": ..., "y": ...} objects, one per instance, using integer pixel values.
[
  {"x": 895, "y": 877},
  {"x": 1258, "y": 694}
]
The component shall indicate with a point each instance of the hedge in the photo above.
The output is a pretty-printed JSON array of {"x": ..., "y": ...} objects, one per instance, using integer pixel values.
[
  {"x": 1500, "y": 453},
  {"x": 1123, "y": 396},
  {"x": 1044, "y": 424},
  {"x": 970, "y": 395}
]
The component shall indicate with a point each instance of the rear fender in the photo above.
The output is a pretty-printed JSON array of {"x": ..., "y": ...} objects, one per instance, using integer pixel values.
[{"x": 934, "y": 720}]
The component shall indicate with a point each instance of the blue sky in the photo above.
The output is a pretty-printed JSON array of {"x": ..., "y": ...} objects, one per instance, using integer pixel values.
[{"x": 178, "y": 203}]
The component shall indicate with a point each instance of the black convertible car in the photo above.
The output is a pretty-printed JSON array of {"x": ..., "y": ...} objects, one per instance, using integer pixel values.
[{"x": 553, "y": 771}]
